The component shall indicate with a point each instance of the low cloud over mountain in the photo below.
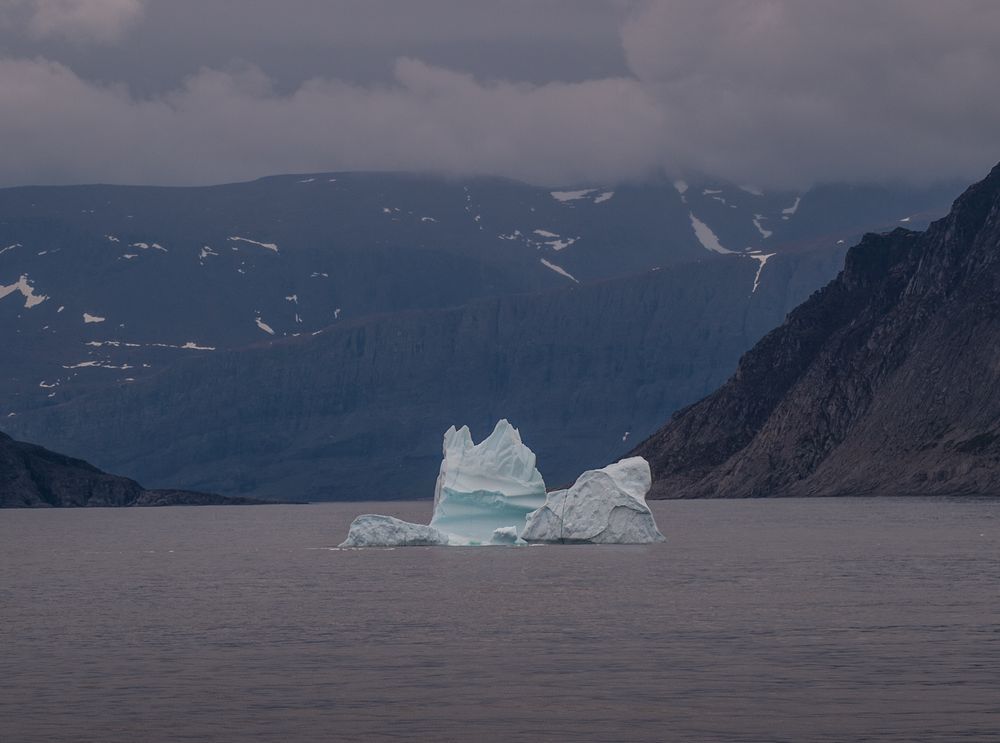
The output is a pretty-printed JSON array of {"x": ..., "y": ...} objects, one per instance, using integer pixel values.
[{"x": 773, "y": 93}]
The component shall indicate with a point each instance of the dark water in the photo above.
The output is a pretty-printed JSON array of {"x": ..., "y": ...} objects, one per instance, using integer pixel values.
[{"x": 789, "y": 620}]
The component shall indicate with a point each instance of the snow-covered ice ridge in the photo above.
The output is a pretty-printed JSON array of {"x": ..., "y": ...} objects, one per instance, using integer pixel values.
[{"x": 492, "y": 493}]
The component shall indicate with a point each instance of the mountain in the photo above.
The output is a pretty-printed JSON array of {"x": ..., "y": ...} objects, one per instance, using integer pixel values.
[
  {"x": 101, "y": 285},
  {"x": 313, "y": 336},
  {"x": 31, "y": 476},
  {"x": 883, "y": 382},
  {"x": 357, "y": 411}
]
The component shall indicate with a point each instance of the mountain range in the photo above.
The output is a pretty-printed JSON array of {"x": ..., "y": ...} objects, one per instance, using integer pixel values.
[{"x": 312, "y": 336}]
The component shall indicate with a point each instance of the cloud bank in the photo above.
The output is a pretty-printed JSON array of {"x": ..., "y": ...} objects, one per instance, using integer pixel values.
[
  {"x": 770, "y": 92},
  {"x": 79, "y": 20}
]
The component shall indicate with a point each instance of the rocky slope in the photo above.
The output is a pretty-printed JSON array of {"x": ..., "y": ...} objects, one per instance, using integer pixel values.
[
  {"x": 31, "y": 476},
  {"x": 884, "y": 382}
]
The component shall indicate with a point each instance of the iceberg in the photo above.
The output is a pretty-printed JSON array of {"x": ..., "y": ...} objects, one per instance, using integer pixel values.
[
  {"x": 506, "y": 535},
  {"x": 493, "y": 493},
  {"x": 605, "y": 506},
  {"x": 483, "y": 493},
  {"x": 372, "y": 530},
  {"x": 487, "y": 486}
]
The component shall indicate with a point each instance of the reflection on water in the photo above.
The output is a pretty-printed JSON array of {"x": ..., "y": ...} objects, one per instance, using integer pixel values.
[{"x": 785, "y": 620}]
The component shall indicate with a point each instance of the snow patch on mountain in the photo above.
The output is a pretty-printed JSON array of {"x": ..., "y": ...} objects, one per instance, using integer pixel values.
[
  {"x": 757, "y": 219},
  {"x": 557, "y": 242},
  {"x": 188, "y": 346},
  {"x": 567, "y": 196},
  {"x": 585, "y": 194},
  {"x": 98, "y": 365},
  {"x": 762, "y": 260},
  {"x": 559, "y": 270},
  {"x": 787, "y": 213},
  {"x": 708, "y": 239},
  {"x": 267, "y": 246},
  {"x": 24, "y": 287}
]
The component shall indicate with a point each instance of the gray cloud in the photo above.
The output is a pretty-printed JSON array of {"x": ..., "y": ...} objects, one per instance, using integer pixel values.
[
  {"x": 84, "y": 21},
  {"x": 790, "y": 92},
  {"x": 225, "y": 125},
  {"x": 771, "y": 92}
]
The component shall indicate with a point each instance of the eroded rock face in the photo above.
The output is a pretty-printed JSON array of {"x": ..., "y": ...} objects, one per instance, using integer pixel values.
[
  {"x": 884, "y": 382},
  {"x": 606, "y": 506},
  {"x": 372, "y": 530}
]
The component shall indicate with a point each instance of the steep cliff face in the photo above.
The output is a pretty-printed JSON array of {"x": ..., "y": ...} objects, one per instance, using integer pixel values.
[
  {"x": 885, "y": 381},
  {"x": 358, "y": 410},
  {"x": 248, "y": 263}
]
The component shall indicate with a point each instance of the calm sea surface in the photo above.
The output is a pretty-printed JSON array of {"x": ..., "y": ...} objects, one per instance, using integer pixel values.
[{"x": 786, "y": 620}]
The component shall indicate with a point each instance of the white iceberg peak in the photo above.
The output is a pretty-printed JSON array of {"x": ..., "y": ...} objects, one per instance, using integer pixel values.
[
  {"x": 486, "y": 486},
  {"x": 500, "y": 463}
]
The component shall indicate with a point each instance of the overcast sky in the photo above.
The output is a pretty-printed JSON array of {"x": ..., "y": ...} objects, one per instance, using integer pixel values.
[{"x": 761, "y": 92}]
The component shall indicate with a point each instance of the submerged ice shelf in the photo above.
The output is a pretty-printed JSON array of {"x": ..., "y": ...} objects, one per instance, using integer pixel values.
[{"x": 492, "y": 493}]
